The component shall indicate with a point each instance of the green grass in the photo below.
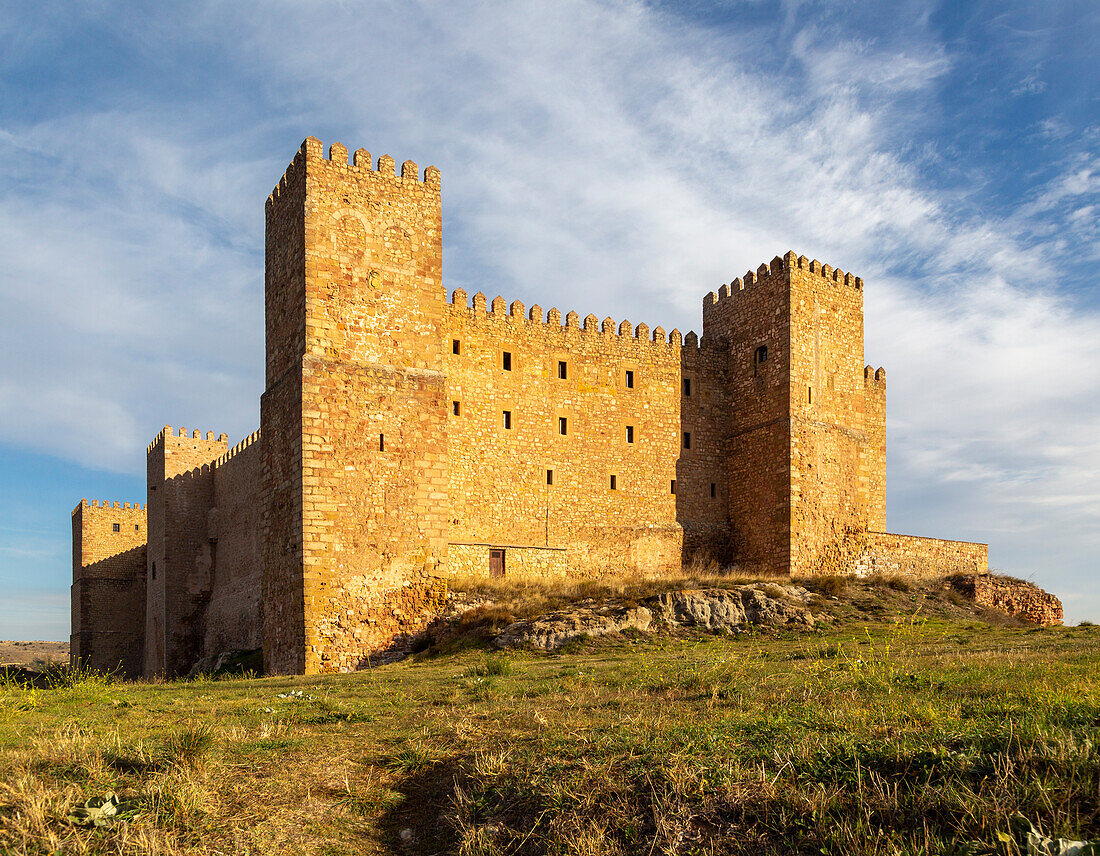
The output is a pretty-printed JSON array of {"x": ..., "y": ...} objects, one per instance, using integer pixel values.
[{"x": 907, "y": 737}]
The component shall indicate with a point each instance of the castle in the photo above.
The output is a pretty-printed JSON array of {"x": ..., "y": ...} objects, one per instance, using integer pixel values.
[{"x": 407, "y": 438}]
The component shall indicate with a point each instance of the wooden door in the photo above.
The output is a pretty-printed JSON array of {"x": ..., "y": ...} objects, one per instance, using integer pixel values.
[{"x": 496, "y": 563}]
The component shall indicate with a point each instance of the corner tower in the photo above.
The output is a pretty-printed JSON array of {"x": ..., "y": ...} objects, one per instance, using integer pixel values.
[
  {"x": 353, "y": 416},
  {"x": 806, "y": 428}
]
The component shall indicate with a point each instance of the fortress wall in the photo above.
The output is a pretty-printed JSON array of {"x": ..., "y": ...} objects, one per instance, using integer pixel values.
[
  {"x": 469, "y": 561},
  {"x": 108, "y": 591},
  {"x": 281, "y": 424},
  {"x": 372, "y": 440},
  {"x": 498, "y": 475},
  {"x": 751, "y": 313},
  {"x": 828, "y": 433},
  {"x": 233, "y": 618},
  {"x": 181, "y": 494},
  {"x": 886, "y": 553},
  {"x": 702, "y": 484},
  {"x": 873, "y": 462}
]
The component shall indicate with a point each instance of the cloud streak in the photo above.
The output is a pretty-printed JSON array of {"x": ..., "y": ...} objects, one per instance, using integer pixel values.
[{"x": 606, "y": 157}]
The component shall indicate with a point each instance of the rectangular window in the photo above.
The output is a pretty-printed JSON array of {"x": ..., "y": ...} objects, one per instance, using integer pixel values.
[
  {"x": 713, "y": 490},
  {"x": 629, "y": 379},
  {"x": 456, "y": 346},
  {"x": 381, "y": 442},
  {"x": 687, "y": 387},
  {"x": 563, "y": 370},
  {"x": 614, "y": 483},
  {"x": 506, "y": 361},
  {"x": 549, "y": 476},
  {"x": 630, "y": 433},
  {"x": 673, "y": 486},
  {"x": 456, "y": 408},
  {"x": 115, "y": 527},
  {"x": 687, "y": 439},
  {"x": 136, "y": 527},
  {"x": 809, "y": 395},
  {"x": 507, "y": 419},
  {"x": 563, "y": 425}
]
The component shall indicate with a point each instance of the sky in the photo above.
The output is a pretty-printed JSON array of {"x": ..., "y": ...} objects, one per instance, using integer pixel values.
[{"x": 619, "y": 158}]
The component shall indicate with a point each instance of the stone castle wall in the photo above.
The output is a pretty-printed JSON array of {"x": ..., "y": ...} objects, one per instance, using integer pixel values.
[
  {"x": 1017, "y": 598},
  {"x": 108, "y": 590},
  {"x": 887, "y": 553},
  {"x": 407, "y": 439}
]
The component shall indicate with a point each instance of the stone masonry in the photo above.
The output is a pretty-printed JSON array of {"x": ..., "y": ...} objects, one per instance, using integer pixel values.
[{"x": 408, "y": 437}]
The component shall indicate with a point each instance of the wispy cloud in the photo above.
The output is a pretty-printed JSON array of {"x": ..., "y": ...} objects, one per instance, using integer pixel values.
[{"x": 605, "y": 156}]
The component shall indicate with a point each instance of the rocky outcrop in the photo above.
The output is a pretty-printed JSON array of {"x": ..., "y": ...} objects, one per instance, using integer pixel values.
[
  {"x": 723, "y": 610},
  {"x": 715, "y": 610},
  {"x": 1019, "y": 599},
  {"x": 549, "y": 632}
]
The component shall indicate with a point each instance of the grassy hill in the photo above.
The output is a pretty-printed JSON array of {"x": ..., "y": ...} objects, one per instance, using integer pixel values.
[{"x": 903, "y": 723}]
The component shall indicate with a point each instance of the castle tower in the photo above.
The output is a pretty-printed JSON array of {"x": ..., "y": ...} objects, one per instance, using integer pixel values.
[
  {"x": 108, "y": 592},
  {"x": 180, "y": 485},
  {"x": 806, "y": 433},
  {"x": 353, "y": 416}
]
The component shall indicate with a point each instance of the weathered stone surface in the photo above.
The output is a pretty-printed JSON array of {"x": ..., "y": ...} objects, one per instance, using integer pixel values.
[
  {"x": 716, "y": 610},
  {"x": 1019, "y": 599},
  {"x": 723, "y": 610},
  {"x": 409, "y": 437},
  {"x": 549, "y": 632}
]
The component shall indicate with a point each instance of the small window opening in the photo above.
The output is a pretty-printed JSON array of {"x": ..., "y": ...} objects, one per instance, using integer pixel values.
[
  {"x": 630, "y": 433},
  {"x": 563, "y": 370},
  {"x": 687, "y": 439},
  {"x": 673, "y": 486},
  {"x": 687, "y": 387},
  {"x": 549, "y": 476},
  {"x": 381, "y": 442},
  {"x": 136, "y": 527},
  {"x": 563, "y": 425},
  {"x": 507, "y": 419},
  {"x": 614, "y": 483},
  {"x": 456, "y": 408},
  {"x": 456, "y": 346},
  {"x": 629, "y": 379},
  {"x": 759, "y": 358},
  {"x": 115, "y": 527},
  {"x": 809, "y": 395},
  {"x": 506, "y": 361},
  {"x": 713, "y": 490},
  {"x": 154, "y": 570}
]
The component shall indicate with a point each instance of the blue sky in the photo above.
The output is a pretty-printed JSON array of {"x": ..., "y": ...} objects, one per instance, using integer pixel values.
[{"x": 620, "y": 158}]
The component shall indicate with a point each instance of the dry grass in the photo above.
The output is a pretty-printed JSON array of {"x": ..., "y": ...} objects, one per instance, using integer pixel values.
[{"x": 917, "y": 736}]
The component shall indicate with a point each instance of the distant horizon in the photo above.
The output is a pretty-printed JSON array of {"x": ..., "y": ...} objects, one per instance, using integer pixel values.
[{"x": 621, "y": 158}]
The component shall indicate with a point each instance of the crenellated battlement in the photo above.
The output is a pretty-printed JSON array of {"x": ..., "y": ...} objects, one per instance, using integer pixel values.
[
  {"x": 500, "y": 311},
  {"x": 874, "y": 378},
  {"x": 788, "y": 261},
  {"x": 111, "y": 505},
  {"x": 313, "y": 150},
  {"x": 194, "y": 434},
  {"x": 236, "y": 450}
]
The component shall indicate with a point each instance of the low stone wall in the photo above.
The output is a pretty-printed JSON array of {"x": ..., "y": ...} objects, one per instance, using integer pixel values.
[
  {"x": 886, "y": 553},
  {"x": 520, "y": 561},
  {"x": 1018, "y": 598}
]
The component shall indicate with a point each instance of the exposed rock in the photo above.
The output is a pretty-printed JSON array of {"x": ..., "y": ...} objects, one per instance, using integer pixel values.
[
  {"x": 723, "y": 610},
  {"x": 1019, "y": 599},
  {"x": 549, "y": 632},
  {"x": 716, "y": 610}
]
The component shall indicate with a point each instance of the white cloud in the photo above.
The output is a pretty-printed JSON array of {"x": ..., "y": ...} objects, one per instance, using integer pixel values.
[{"x": 596, "y": 156}]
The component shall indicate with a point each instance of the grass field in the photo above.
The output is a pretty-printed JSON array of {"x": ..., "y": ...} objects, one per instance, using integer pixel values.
[{"x": 914, "y": 736}]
